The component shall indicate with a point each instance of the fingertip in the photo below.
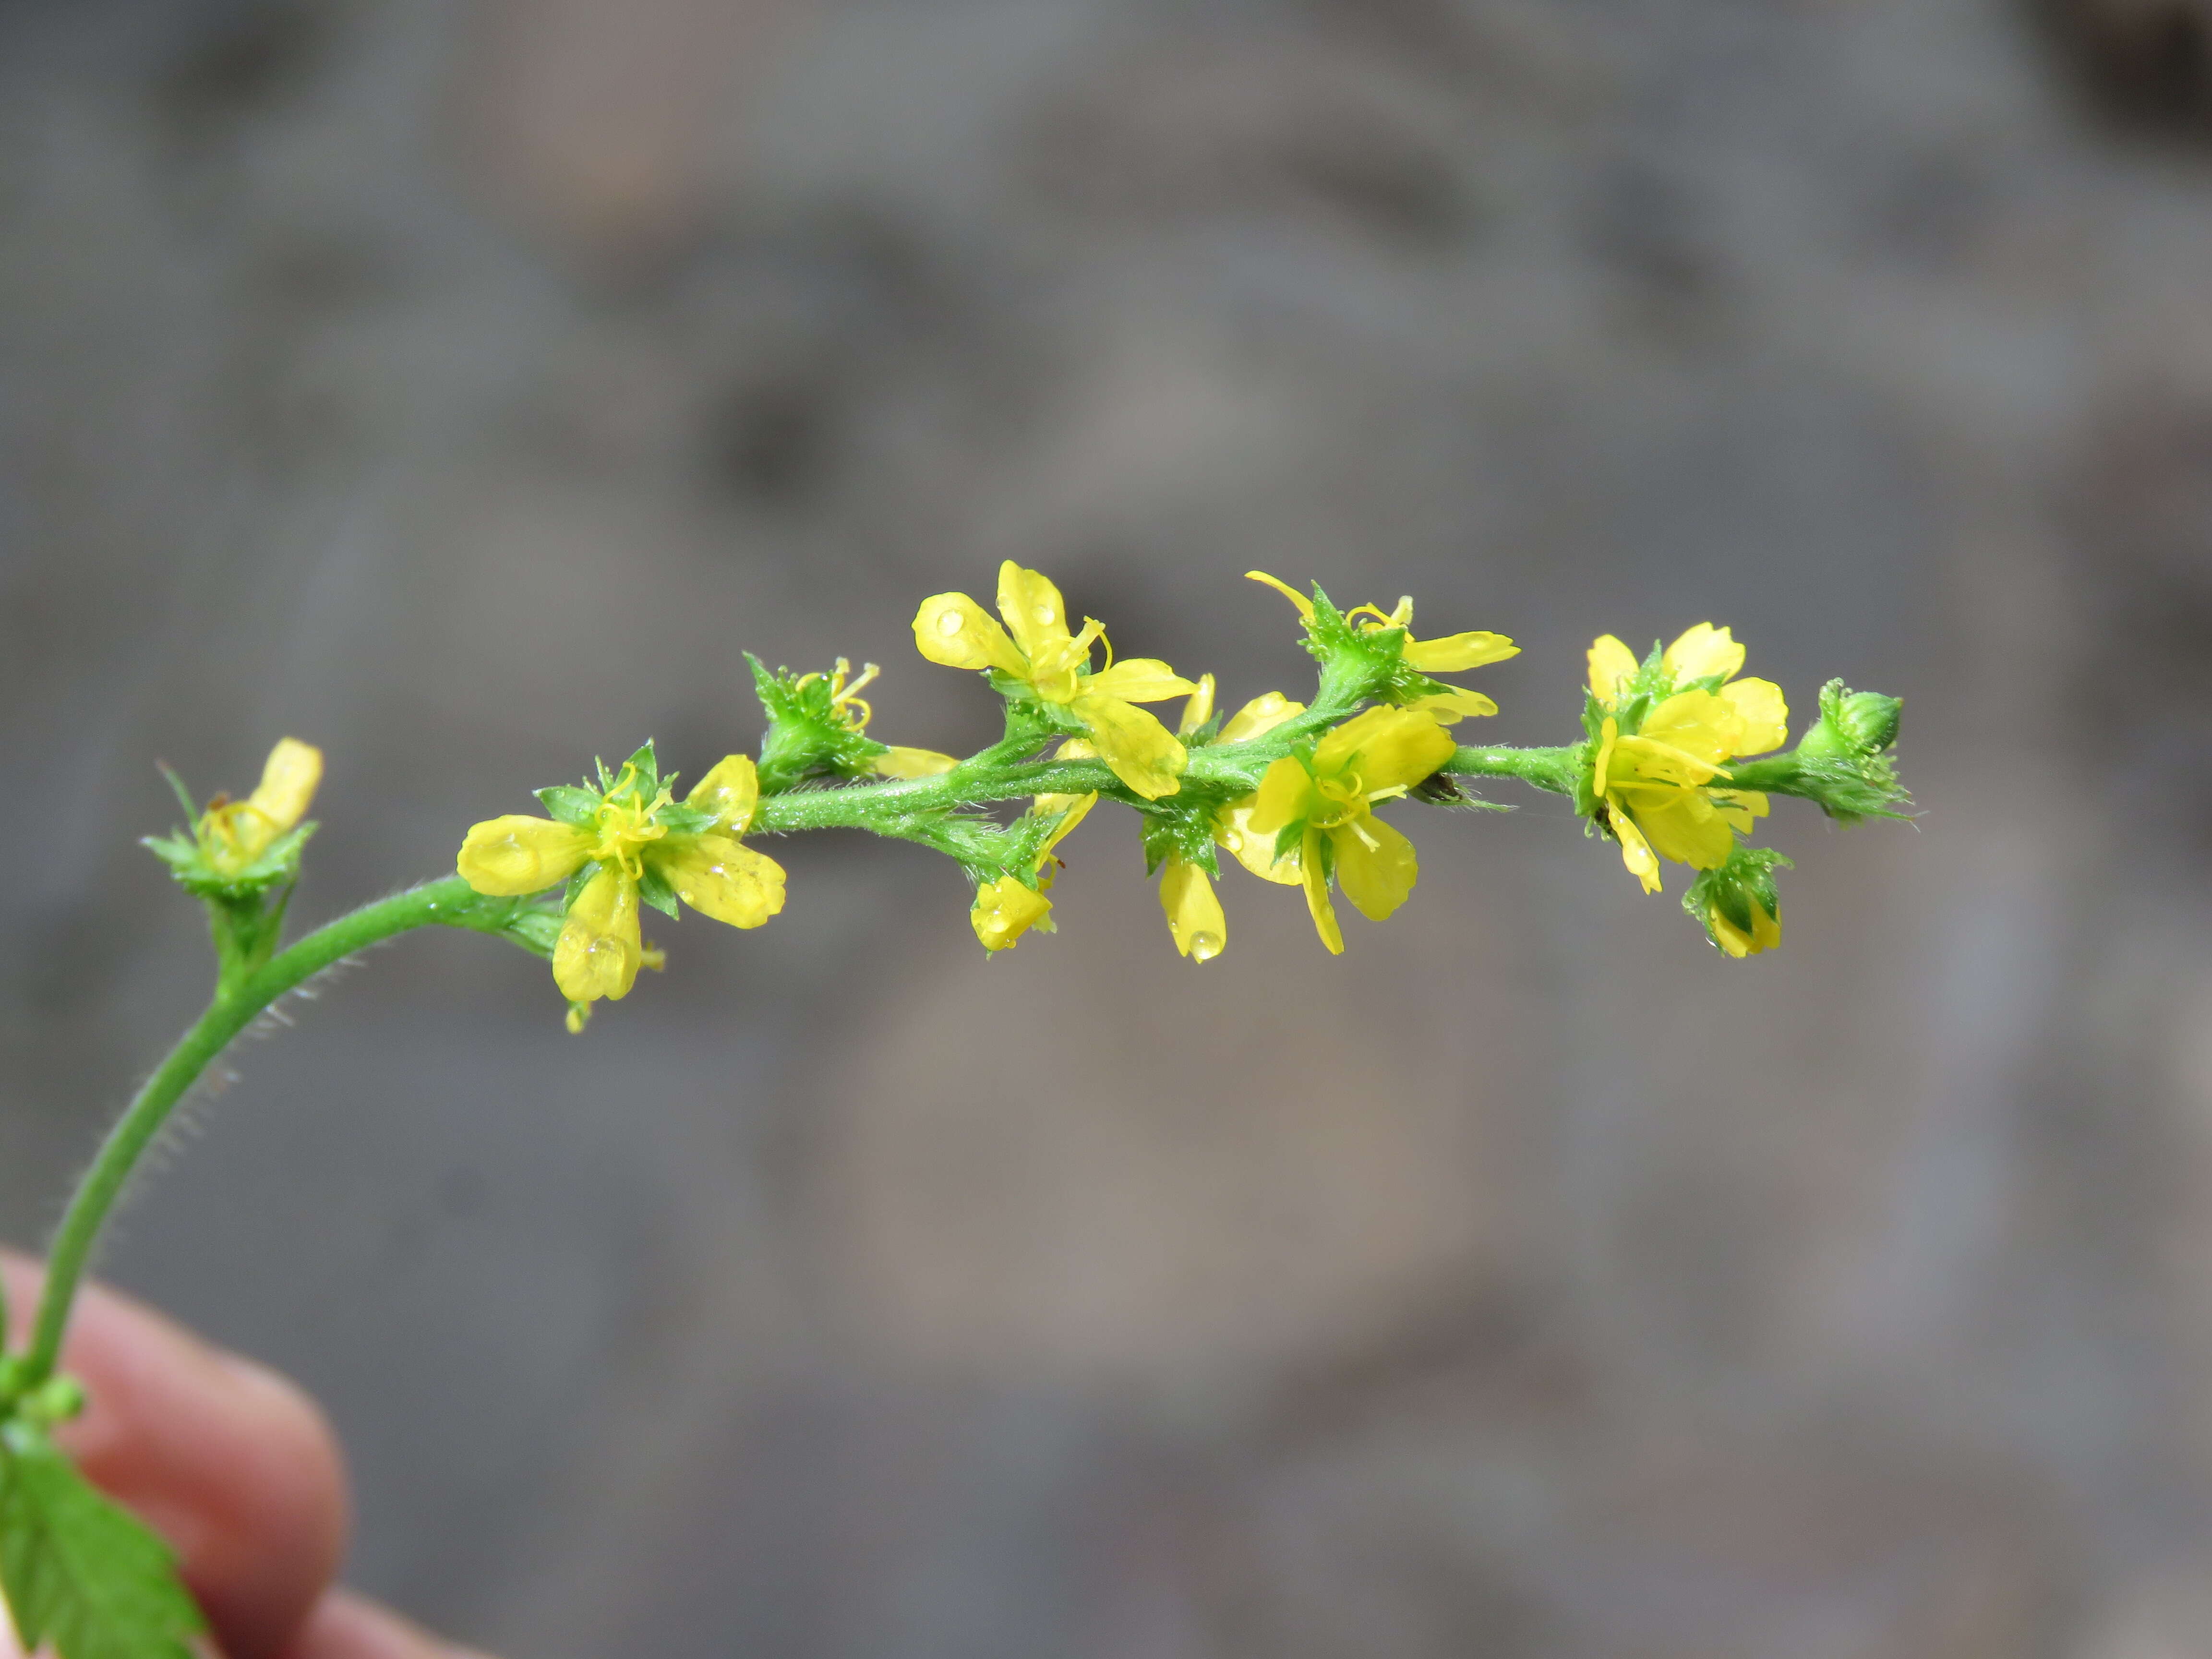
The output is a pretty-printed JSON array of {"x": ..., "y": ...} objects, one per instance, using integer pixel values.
[
  {"x": 343, "y": 1625},
  {"x": 230, "y": 1463}
]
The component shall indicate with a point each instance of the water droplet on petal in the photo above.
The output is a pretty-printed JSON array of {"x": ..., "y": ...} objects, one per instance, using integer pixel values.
[
  {"x": 1205, "y": 945},
  {"x": 949, "y": 621}
]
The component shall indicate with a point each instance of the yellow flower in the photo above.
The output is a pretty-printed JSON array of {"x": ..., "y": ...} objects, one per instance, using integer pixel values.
[
  {"x": 1766, "y": 931},
  {"x": 1328, "y": 801},
  {"x": 1232, "y": 826},
  {"x": 1193, "y": 914},
  {"x": 643, "y": 849},
  {"x": 1035, "y": 648},
  {"x": 1006, "y": 909},
  {"x": 1451, "y": 655},
  {"x": 233, "y": 834},
  {"x": 847, "y": 703},
  {"x": 1659, "y": 756}
]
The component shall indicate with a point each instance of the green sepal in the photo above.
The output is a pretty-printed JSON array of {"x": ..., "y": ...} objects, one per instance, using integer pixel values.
[
  {"x": 188, "y": 863},
  {"x": 577, "y": 882},
  {"x": 654, "y": 888},
  {"x": 566, "y": 804},
  {"x": 645, "y": 765},
  {"x": 681, "y": 820},
  {"x": 1183, "y": 832},
  {"x": 535, "y": 929},
  {"x": 1845, "y": 762},
  {"x": 81, "y": 1575},
  {"x": 808, "y": 735},
  {"x": 1745, "y": 878},
  {"x": 1445, "y": 789}
]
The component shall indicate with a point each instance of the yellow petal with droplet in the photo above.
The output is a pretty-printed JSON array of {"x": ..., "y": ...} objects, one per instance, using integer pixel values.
[
  {"x": 1143, "y": 754},
  {"x": 599, "y": 951},
  {"x": 731, "y": 791},
  {"x": 509, "y": 857},
  {"x": 719, "y": 877},
  {"x": 1035, "y": 615},
  {"x": 1003, "y": 910},
  {"x": 1635, "y": 851},
  {"x": 952, "y": 629},
  {"x": 1193, "y": 914}
]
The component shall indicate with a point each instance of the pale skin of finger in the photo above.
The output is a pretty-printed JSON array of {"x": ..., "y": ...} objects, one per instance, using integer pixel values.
[{"x": 233, "y": 1465}]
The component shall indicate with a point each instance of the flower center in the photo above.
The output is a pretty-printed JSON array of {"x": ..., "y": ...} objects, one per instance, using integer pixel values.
[{"x": 626, "y": 827}]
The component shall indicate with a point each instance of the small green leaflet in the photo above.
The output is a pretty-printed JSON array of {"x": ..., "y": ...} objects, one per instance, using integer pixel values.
[{"x": 81, "y": 1575}]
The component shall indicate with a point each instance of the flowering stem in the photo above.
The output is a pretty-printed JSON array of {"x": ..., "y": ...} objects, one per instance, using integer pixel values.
[
  {"x": 1554, "y": 769},
  {"x": 236, "y": 1004}
]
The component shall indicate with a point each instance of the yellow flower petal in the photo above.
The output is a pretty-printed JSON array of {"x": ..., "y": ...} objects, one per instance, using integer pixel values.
[
  {"x": 1611, "y": 665},
  {"x": 1389, "y": 748},
  {"x": 1608, "y": 740},
  {"x": 1143, "y": 754},
  {"x": 1448, "y": 707},
  {"x": 1232, "y": 829},
  {"x": 1195, "y": 916},
  {"x": 1764, "y": 715},
  {"x": 1138, "y": 679},
  {"x": 952, "y": 629},
  {"x": 1035, "y": 615},
  {"x": 1765, "y": 932},
  {"x": 731, "y": 791},
  {"x": 1635, "y": 851},
  {"x": 1739, "y": 807},
  {"x": 599, "y": 951},
  {"x": 1199, "y": 709},
  {"x": 720, "y": 878},
  {"x": 1698, "y": 724},
  {"x": 1375, "y": 865},
  {"x": 508, "y": 857},
  {"x": 288, "y": 784},
  {"x": 1004, "y": 911},
  {"x": 1317, "y": 904},
  {"x": 1077, "y": 807},
  {"x": 1701, "y": 652},
  {"x": 1263, "y": 714},
  {"x": 1688, "y": 829},
  {"x": 1455, "y": 652},
  {"x": 898, "y": 762},
  {"x": 1303, "y": 604},
  {"x": 1286, "y": 796}
]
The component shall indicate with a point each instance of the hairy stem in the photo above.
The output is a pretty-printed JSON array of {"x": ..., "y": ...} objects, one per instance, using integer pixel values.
[
  {"x": 449, "y": 902},
  {"x": 1543, "y": 768}
]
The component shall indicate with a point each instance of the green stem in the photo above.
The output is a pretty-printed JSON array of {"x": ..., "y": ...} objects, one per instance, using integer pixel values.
[
  {"x": 1555, "y": 770},
  {"x": 449, "y": 902}
]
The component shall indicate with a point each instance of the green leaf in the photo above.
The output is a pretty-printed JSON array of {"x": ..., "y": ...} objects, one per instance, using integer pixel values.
[
  {"x": 568, "y": 804},
  {"x": 81, "y": 1575}
]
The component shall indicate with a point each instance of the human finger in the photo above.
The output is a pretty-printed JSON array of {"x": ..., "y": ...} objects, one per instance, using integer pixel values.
[{"x": 228, "y": 1462}]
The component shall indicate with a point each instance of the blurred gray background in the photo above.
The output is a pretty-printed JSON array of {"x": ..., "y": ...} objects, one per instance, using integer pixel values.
[{"x": 462, "y": 386}]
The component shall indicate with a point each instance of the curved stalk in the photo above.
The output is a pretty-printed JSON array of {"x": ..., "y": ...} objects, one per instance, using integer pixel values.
[{"x": 449, "y": 902}]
